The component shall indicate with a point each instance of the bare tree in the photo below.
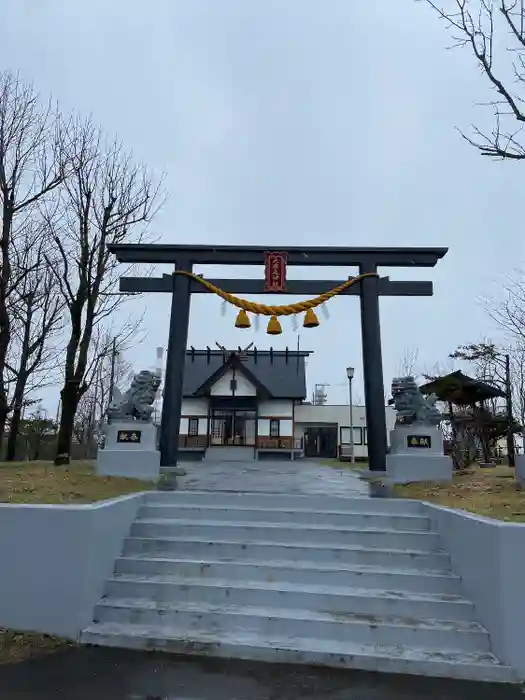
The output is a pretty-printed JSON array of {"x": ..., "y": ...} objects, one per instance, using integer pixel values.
[
  {"x": 407, "y": 365},
  {"x": 36, "y": 309},
  {"x": 517, "y": 372},
  {"x": 494, "y": 31},
  {"x": 31, "y": 167},
  {"x": 94, "y": 403},
  {"x": 110, "y": 376},
  {"x": 509, "y": 312},
  {"x": 108, "y": 199},
  {"x": 439, "y": 369}
]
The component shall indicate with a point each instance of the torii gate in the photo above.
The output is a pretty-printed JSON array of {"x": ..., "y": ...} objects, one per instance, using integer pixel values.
[{"x": 182, "y": 286}]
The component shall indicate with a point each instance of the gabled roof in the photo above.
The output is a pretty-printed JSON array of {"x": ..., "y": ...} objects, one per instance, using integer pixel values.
[
  {"x": 461, "y": 389},
  {"x": 281, "y": 372},
  {"x": 233, "y": 363}
]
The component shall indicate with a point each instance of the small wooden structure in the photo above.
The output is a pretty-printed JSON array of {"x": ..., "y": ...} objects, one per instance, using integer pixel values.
[{"x": 473, "y": 421}]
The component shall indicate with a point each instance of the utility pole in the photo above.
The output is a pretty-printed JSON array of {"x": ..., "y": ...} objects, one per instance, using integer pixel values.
[{"x": 511, "y": 453}]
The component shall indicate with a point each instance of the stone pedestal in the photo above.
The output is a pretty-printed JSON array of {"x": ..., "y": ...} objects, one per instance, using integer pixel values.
[
  {"x": 519, "y": 470},
  {"x": 130, "y": 450},
  {"x": 417, "y": 455}
]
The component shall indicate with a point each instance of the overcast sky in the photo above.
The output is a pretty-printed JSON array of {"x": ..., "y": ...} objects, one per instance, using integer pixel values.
[{"x": 293, "y": 122}]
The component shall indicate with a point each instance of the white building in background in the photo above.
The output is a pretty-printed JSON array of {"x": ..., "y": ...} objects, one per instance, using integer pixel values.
[
  {"x": 326, "y": 424},
  {"x": 253, "y": 404}
]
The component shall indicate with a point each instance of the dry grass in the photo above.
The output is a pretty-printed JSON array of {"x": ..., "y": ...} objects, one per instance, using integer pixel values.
[
  {"x": 41, "y": 482},
  {"x": 18, "y": 646},
  {"x": 490, "y": 492}
]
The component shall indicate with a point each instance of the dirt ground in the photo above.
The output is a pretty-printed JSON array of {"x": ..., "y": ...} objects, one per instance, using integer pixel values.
[{"x": 491, "y": 492}]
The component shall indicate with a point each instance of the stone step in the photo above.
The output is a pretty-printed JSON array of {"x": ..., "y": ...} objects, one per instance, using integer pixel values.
[
  {"x": 292, "y": 533},
  {"x": 335, "y": 519},
  {"x": 289, "y": 572},
  {"x": 311, "y": 554},
  {"x": 287, "y": 501},
  {"x": 318, "y": 598},
  {"x": 271, "y": 622},
  {"x": 395, "y": 659}
]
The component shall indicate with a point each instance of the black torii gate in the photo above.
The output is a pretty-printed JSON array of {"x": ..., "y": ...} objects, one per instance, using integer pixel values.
[{"x": 184, "y": 257}]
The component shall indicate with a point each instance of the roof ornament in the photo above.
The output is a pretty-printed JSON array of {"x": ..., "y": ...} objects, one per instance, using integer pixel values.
[{"x": 240, "y": 353}]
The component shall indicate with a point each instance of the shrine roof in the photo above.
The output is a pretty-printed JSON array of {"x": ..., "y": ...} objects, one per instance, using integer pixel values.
[{"x": 282, "y": 373}]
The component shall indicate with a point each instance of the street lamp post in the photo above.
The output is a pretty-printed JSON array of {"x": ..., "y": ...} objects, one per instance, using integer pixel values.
[
  {"x": 511, "y": 449},
  {"x": 350, "y": 375}
]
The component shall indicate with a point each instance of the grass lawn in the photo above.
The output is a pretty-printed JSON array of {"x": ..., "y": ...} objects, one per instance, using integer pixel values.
[
  {"x": 41, "y": 482},
  {"x": 490, "y": 492}
]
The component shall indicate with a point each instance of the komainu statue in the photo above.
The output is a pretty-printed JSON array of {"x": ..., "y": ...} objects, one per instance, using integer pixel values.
[
  {"x": 137, "y": 402},
  {"x": 410, "y": 404}
]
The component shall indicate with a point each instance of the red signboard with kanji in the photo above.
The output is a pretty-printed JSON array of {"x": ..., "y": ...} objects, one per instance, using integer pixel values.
[{"x": 275, "y": 272}]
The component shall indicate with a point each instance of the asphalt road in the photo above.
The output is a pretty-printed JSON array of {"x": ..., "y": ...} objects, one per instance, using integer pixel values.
[{"x": 104, "y": 674}]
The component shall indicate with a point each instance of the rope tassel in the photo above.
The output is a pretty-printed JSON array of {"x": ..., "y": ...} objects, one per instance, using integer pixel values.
[
  {"x": 242, "y": 320},
  {"x": 274, "y": 326},
  {"x": 310, "y": 319}
]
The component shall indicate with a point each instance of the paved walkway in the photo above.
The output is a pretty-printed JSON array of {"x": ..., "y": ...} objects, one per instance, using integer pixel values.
[
  {"x": 302, "y": 476},
  {"x": 112, "y": 674}
]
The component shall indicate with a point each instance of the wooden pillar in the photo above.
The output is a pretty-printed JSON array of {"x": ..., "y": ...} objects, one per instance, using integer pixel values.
[
  {"x": 177, "y": 342},
  {"x": 373, "y": 371}
]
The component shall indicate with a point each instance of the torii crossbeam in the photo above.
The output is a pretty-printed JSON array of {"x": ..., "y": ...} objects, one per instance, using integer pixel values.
[{"x": 367, "y": 260}]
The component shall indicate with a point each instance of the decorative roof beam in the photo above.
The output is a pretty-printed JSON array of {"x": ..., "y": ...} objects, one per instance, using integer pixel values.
[
  {"x": 135, "y": 285},
  {"x": 297, "y": 255}
]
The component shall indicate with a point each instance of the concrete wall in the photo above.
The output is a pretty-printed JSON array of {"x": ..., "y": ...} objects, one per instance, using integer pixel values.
[
  {"x": 317, "y": 415},
  {"x": 285, "y": 427},
  {"x": 489, "y": 555},
  {"x": 277, "y": 408},
  {"x": 309, "y": 416},
  {"x": 194, "y": 407},
  {"x": 55, "y": 560}
]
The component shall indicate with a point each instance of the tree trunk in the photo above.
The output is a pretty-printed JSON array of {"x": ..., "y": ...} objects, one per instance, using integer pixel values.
[
  {"x": 4, "y": 412},
  {"x": 5, "y": 324},
  {"x": 13, "y": 434},
  {"x": 70, "y": 398},
  {"x": 18, "y": 398}
]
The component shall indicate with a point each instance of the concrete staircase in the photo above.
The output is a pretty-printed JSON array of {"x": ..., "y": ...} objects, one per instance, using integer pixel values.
[{"x": 341, "y": 582}]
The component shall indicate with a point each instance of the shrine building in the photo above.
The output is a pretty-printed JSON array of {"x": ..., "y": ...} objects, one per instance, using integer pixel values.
[{"x": 251, "y": 404}]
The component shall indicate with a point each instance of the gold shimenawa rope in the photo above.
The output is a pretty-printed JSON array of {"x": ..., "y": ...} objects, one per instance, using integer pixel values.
[{"x": 284, "y": 309}]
